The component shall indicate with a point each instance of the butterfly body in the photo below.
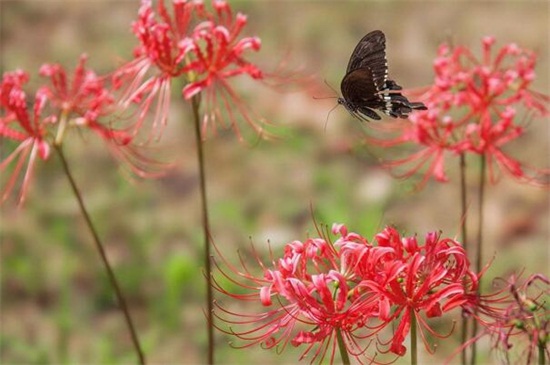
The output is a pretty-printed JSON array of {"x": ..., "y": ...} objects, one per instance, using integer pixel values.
[{"x": 366, "y": 87}]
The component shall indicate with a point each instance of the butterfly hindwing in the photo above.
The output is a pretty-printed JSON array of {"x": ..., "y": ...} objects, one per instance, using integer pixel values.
[{"x": 358, "y": 87}]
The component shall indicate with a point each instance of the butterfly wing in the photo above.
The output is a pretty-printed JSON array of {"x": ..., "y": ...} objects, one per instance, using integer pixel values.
[
  {"x": 370, "y": 53},
  {"x": 358, "y": 87}
]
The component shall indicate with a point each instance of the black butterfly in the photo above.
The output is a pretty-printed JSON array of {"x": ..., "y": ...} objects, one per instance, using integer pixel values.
[{"x": 366, "y": 86}]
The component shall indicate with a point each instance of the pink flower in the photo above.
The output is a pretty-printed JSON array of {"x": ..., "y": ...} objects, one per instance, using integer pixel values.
[
  {"x": 27, "y": 130},
  {"x": 473, "y": 108}
]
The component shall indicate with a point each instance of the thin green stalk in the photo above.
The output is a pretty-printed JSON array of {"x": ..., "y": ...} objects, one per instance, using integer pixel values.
[
  {"x": 463, "y": 220},
  {"x": 542, "y": 355},
  {"x": 195, "y": 102},
  {"x": 99, "y": 246},
  {"x": 342, "y": 347},
  {"x": 414, "y": 352},
  {"x": 479, "y": 250}
]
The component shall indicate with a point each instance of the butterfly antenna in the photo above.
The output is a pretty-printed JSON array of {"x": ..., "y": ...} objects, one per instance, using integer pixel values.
[{"x": 328, "y": 115}]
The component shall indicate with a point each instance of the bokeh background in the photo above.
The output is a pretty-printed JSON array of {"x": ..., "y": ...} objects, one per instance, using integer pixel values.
[{"x": 56, "y": 303}]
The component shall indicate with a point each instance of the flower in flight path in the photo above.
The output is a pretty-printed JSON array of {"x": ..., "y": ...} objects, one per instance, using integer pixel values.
[
  {"x": 202, "y": 47},
  {"x": 321, "y": 288},
  {"x": 475, "y": 106}
]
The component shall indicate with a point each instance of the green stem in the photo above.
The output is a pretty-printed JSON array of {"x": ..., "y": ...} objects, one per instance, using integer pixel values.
[
  {"x": 195, "y": 102},
  {"x": 479, "y": 249},
  {"x": 99, "y": 246},
  {"x": 542, "y": 348},
  {"x": 414, "y": 352},
  {"x": 342, "y": 347},
  {"x": 463, "y": 220}
]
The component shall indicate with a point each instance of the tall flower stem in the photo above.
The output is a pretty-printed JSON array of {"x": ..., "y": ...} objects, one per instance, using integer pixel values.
[
  {"x": 114, "y": 283},
  {"x": 342, "y": 347},
  {"x": 542, "y": 355},
  {"x": 195, "y": 103},
  {"x": 479, "y": 249},
  {"x": 414, "y": 352},
  {"x": 463, "y": 233}
]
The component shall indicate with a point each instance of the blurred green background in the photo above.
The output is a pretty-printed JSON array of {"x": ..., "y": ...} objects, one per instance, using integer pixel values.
[{"x": 56, "y": 303}]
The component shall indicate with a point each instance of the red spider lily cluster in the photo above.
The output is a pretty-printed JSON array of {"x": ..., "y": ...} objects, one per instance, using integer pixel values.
[
  {"x": 475, "y": 106},
  {"x": 36, "y": 124},
  {"x": 352, "y": 288},
  {"x": 203, "y": 47}
]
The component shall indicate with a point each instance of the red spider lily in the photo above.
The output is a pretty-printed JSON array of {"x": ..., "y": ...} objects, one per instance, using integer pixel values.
[
  {"x": 216, "y": 50},
  {"x": 147, "y": 79},
  {"x": 424, "y": 279},
  {"x": 352, "y": 287},
  {"x": 204, "y": 48},
  {"x": 84, "y": 98},
  {"x": 314, "y": 298},
  {"x": 473, "y": 108},
  {"x": 84, "y": 101},
  {"x": 81, "y": 101},
  {"x": 26, "y": 129}
]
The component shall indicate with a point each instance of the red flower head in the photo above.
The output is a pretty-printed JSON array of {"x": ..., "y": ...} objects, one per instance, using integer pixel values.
[
  {"x": 26, "y": 129},
  {"x": 80, "y": 101},
  {"x": 83, "y": 98},
  {"x": 473, "y": 107},
  {"x": 203, "y": 47},
  {"x": 83, "y": 101},
  {"x": 426, "y": 279},
  {"x": 147, "y": 79},
  {"x": 320, "y": 290},
  {"x": 311, "y": 296},
  {"x": 215, "y": 50}
]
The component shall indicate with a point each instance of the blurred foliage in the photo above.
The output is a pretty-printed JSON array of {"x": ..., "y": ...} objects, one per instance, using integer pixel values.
[{"x": 56, "y": 304}]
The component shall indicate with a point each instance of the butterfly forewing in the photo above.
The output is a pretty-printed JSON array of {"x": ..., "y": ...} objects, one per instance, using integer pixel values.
[{"x": 370, "y": 52}]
